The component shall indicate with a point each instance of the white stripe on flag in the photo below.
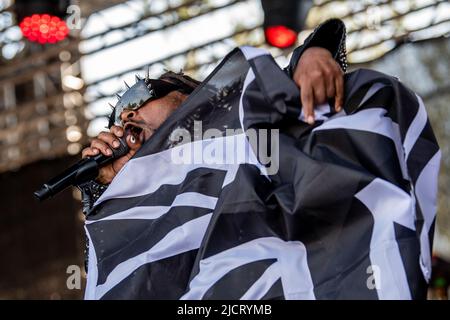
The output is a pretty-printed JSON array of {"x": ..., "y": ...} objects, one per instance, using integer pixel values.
[
  {"x": 388, "y": 204},
  {"x": 187, "y": 199},
  {"x": 426, "y": 193},
  {"x": 373, "y": 89},
  {"x": 319, "y": 112},
  {"x": 371, "y": 120},
  {"x": 146, "y": 174},
  {"x": 179, "y": 240},
  {"x": 293, "y": 267},
  {"x": 252, "y": 52},
  {"x": 250, "y": 77},
  {"x": 416, "y": 128},
  {"x": 92, "y": 272},
  {"x": 261, "y": 286}
]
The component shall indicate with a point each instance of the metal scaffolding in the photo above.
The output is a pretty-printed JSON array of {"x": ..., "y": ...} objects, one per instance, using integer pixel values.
[{"x": 54, "y": 121}]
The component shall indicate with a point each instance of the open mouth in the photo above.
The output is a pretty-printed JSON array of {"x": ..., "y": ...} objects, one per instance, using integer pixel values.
[{"x": 134, "y": 130}]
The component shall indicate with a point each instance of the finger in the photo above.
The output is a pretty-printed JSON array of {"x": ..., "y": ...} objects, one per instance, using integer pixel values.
[
  {"x": 102, "y": 146},
  {"x": 117, "y": 131},
  {"x": 297, "y": 75},
  {"x": 89, "y": 152},
  {"x": 109, "y": 138},
  {"x": 329, "y": 83},
  {"x": 134, "y": 145},
  {"x": 298, "y": 81},
  {"x": 339, "y": 98},
  {"x": 319, "y": 92},
  {"x": 307, "y": 103}
]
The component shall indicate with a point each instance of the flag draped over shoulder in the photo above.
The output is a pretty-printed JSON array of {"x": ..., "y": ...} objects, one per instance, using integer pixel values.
[{"x": 235, "y": 197}]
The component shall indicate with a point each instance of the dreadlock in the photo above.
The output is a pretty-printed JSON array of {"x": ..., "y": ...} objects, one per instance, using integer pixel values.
[{"x": 180, "y": 78}]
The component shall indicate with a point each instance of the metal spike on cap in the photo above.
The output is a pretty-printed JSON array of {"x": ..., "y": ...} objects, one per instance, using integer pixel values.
[
  {"x": 118, "y": 96},
  {"x": 147, "y": 75},
  {"x": 137, "y": 78},
  {"x": 112, "y": 107},
  {"x": 126, "y": 84}
]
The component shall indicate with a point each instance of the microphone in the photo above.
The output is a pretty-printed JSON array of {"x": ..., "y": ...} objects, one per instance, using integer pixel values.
[{"x": 83, "y": 171}]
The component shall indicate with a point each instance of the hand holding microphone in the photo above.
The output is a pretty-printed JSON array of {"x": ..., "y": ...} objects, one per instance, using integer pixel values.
[
  {"x": 107, "y": 154},
  {"x": 106, "y": 143}
]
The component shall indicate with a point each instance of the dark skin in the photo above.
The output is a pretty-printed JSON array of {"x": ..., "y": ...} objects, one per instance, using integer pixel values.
[
  {"x": 147, "y": 118},
  {"x": 317, "y": 74},
  {"x": 320, "y": 77}
]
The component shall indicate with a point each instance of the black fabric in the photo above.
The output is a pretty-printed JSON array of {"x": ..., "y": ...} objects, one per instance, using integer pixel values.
[{"x": 307, "y": 220}]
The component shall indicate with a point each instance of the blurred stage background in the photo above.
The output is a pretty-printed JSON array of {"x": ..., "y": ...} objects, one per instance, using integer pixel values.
[{"x": 56, "y": 79}]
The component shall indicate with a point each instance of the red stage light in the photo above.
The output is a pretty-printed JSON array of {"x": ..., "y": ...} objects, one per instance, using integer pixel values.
[
  {"x": 44, "y": 28},
  {"x": 280, "y": 36}
]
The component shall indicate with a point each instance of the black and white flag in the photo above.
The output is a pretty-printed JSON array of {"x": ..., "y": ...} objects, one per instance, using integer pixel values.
[{"x": 235, "y": 197}]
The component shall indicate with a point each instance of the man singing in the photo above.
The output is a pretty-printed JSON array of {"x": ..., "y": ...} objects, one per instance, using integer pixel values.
[
  {"x": 317, "y": 67},
  {"x": 348, "y": 212}
]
